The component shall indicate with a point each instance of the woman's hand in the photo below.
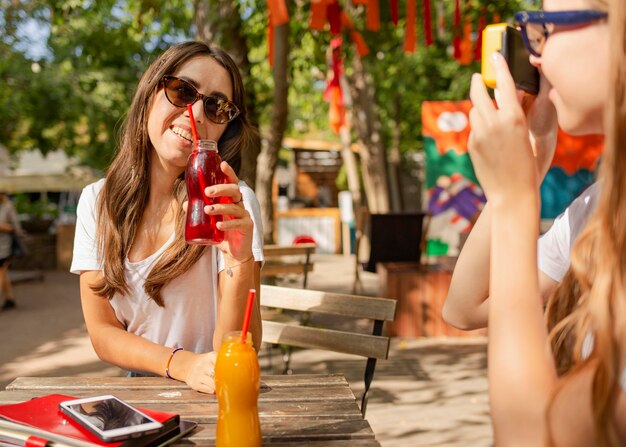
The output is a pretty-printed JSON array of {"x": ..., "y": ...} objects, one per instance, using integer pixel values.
[
  {"x": 499, "y": 142},
  {"x": 201, "y": 375},
  {"x": 237, "y": 223}
]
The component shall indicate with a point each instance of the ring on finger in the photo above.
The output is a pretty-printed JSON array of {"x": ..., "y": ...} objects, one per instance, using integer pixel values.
[{"x": 212, "y": 373}]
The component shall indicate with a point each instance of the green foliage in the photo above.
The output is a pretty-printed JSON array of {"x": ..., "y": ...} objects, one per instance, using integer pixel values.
[
  {"x": 39, "y": 209},
  {"x": 75, "y": 94},
  {"x": 403, "y": 81}
]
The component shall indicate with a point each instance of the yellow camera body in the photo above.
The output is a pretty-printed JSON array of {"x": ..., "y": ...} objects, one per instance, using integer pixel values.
[{"x": 492, "y": 43}]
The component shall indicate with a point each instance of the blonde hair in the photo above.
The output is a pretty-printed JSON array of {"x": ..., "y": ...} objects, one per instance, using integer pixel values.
[{"x": 591, "y": 300}]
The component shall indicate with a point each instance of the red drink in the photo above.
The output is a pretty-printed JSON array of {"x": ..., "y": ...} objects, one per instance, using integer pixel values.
[{"x": 203, "y": 170}]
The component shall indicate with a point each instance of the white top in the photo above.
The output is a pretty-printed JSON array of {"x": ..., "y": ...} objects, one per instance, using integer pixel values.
[
  {"x": 555, "y": 246},
  {"x": 190, "y": 313}
]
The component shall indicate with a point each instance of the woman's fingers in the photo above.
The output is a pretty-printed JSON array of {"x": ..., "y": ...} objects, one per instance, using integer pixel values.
[
  {"x": 507, "y": 92},
  {"x": 480, "y": 98},
  {"x": 229, "y": 173}
]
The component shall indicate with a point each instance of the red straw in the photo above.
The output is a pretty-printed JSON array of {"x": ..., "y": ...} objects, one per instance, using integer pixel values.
[
  {"x": 247, "y": 315},
  {"x": 193, "y": 124}
]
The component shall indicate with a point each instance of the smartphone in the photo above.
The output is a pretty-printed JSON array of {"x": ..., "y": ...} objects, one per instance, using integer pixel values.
[
  {"x": 109, "y": 418},
  {"x": 508, "y": 41}
]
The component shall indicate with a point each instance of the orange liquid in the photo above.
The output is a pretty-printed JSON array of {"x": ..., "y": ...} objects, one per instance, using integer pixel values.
[{"x": 237, "y": 383}]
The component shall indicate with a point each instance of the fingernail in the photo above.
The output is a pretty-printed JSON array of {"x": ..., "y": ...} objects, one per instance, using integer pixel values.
[
  {"x": 208, "y": 208},
  {"x": 210, "y": 192},
  {"x": 495, "y": 58}
]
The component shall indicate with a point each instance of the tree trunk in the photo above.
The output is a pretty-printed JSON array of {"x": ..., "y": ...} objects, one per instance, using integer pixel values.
[
  {"x": 371, "y": 149},
  {"x": 394, "y": 161},
  {"x": 348, "y": 157},
  {"x": 219, "y": 22},
  {"x": 268, "y": 159}
]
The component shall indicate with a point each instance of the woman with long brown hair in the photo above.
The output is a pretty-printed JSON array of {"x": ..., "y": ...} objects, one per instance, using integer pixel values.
[
  {"x": 579, "y": 399},
  {"x": 152, "y": 303}
]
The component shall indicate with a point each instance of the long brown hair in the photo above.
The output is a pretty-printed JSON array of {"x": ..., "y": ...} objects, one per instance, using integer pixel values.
[
  {"x": 591, "y": 300},
  {"x": 127, "y": 187}
]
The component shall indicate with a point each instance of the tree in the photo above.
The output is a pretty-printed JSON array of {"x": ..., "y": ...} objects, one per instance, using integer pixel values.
[
  {"x": 220, "y": 22},
  {"x": 268, "y": 160}
]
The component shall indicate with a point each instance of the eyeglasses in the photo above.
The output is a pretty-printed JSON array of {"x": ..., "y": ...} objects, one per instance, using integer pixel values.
[
  {"x": 536, "y": 26},
  {"x": 180, "y": 93}
]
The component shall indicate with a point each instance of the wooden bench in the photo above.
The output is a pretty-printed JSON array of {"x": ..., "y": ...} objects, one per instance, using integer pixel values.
[
  {"x": 288, "y": 259},
  {"x": 372, "y": 346}
]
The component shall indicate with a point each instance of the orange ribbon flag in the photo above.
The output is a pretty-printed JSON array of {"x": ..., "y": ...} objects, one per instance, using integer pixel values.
[
  {"x": 318, "y": 15},
  {"x": 373, "y": 15},
  {"x": 357, "y": 39},
  {"x": 410, "y": 33},
  {"x": 278, "y": 15},
  {"x": 278, "y": 12}
]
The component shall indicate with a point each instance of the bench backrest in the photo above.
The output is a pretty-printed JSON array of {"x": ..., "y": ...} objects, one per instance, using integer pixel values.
[
  {"x": 271, "y": 251},
  {"x": 276, "y": 265},
  {"x": 373, "y": 345}
]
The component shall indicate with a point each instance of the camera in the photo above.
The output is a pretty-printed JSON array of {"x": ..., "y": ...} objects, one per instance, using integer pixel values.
[{"x": 507, "y": 40}]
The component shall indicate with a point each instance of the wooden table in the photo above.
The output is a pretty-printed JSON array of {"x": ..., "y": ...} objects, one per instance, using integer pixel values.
[{"x": 296, "y": 410}]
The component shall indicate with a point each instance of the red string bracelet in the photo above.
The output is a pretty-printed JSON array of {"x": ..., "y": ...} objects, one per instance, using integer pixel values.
[{"x": 167, "y": 367}]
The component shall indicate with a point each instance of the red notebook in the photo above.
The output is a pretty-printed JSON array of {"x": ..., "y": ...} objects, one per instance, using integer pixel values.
[{"x": 43, "y": 414}]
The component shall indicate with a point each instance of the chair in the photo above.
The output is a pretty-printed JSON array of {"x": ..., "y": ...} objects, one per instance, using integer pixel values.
[
  {"x": 373, "y": 347},
  {"x": 282, "y": 260}
]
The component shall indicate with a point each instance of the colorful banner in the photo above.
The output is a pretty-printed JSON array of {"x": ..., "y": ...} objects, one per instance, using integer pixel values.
[{"x": 454, "y": 194}]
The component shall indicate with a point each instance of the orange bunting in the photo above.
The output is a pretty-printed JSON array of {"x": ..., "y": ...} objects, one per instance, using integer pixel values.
[
  {"x": 346, "y": 21},
  {"x": 318, "y": 15},
  {"x": 467, "y": 54},
  {"x": 456, "y": 42},
  {"x": 278, "y": 12},
  {"x": 361, "y": 47},
  {"x": 270, "y": 43},
  {"x": 373, "y": 16},
  {"x": 410, "y": 36},
  {"x": 337, "y": 110}
]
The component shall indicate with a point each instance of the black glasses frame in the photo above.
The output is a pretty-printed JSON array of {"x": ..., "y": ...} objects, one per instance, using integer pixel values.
[
  {"x": 214, "y": 106},
  {"x": 545, "y": 18}
]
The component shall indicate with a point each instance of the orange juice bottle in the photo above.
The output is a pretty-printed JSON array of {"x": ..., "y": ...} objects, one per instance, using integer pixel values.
[{"x": 237, "y": 383}]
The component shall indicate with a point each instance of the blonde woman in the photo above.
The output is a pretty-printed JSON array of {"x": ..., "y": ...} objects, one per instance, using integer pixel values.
[
  {"x": 153, "y": 304},
  {"x": 579, "y": 47}
]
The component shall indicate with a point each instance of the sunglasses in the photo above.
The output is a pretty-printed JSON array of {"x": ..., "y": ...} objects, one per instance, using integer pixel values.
[
  {"x": 180, "y": 93},
  {"x": 536, "y": 26}
]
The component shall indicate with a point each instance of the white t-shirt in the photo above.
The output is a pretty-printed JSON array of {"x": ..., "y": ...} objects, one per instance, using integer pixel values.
[
  {"x": 190, "y": 313},
  {"x": 555, "y": 246}
]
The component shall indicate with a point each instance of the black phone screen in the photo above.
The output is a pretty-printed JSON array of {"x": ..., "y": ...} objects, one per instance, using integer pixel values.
[
  {"x": 110, "y": 414},
  {"x": 525, "y": 75}
]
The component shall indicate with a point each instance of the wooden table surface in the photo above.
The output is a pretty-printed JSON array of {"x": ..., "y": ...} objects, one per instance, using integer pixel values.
[{"x": 296, "y": 410}]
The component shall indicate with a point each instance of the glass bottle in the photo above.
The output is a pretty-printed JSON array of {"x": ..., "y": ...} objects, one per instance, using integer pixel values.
[
  {"x": 203, "y": 170},
  {"x": 237, "y": 384}
]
